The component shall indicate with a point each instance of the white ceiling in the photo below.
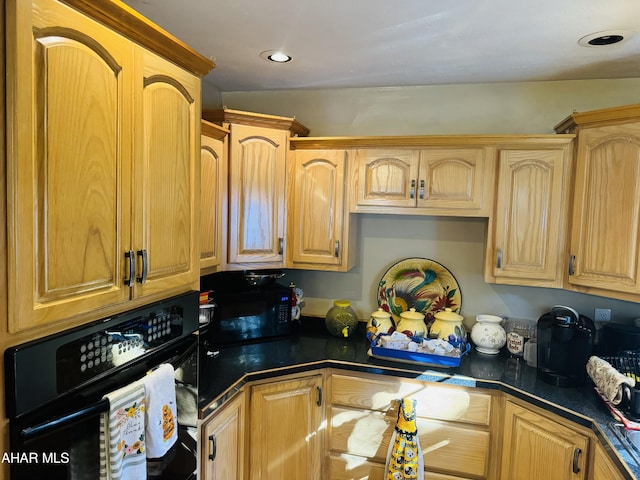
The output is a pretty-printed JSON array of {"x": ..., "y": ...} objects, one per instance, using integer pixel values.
[{"x": 377, "y": 43}]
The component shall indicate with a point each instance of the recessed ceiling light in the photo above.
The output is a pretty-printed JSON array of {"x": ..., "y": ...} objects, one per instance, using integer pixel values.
[
  {"x": 600, "y": 39},
  {"x": 276, "y": 56}
]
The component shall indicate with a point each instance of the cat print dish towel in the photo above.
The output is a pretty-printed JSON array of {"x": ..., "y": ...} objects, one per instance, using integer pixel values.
[{"x": 161, "y": 413}]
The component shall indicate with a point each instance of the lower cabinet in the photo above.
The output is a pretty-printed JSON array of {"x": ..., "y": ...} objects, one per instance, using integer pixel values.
[
  {"x": 603, "y": 467},
  {"x": 286, "y": 435},
  {"x": 453, "y": 425},
  {"x": 222, "y": 451},
  {"x": 536, "y": 446},
  {"x": 337, "y": 425}
]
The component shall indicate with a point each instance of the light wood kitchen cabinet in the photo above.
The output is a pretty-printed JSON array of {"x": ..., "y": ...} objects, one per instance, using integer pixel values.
[
  {"x": 450, "y": 180},
  {"x": 222, "y": 442},
  {"x": 213, "y": 197},
  {"x": 604, "y": 255},
  {"x": 528, "y": 230},
  {"x": 287, "y": 437},
  {"x": 258, "y": 146},
  {"x": 537, "y": 446},
  {"x": 453, "y": 424},
  {"x": 166, "y": 177},
  {"x": 101, "y": 166},
  {"x": 319, "y": 230},
  {"x": 603, "y": 467}
]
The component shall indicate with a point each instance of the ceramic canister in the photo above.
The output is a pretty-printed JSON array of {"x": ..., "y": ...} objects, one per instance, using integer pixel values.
[
  {"x": 488, "y": 335},
  {"x": 381, "y": 321},
  {"x": 413, "y": 323},
  {"x": 447, "y": 322}
]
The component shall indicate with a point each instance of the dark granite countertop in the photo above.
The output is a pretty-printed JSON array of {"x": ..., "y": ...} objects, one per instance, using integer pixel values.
[{"x": 222, "y": 376}]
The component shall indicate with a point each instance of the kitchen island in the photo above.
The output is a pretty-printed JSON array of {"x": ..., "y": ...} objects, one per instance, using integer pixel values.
[{"x": 312, "y": 348}]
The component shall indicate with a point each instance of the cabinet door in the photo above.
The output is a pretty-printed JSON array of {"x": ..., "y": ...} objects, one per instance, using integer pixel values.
[
  {"x": 223, "y": 442},
  {"x": 166, "y": 229},
  {"x": 213, "y": 192},
  {"x": 605, "y": 234},
  {"x": 537, "y": 447},
  {"x": 453, "y": 179},
  {"x": 530, "y": 217},
  {"x": 317, "y": 208},
  {"x": 68, "y": 158},
  {"x": 286, "y": 435},
  {"x": 257, "y": 171},
  {"x": 603, "y": 466},
  {"x": 387, "y": 177}
]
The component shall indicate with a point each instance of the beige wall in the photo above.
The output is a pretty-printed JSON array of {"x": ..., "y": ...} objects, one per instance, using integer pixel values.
[
  {"x": 458, "y": 244},
  {"x": 533, "y": 107}
]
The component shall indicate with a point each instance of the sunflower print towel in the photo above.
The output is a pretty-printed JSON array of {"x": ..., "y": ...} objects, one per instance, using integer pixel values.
[
  {"x": 122, "y": 435},
  {"x": 404, "y": 459}
]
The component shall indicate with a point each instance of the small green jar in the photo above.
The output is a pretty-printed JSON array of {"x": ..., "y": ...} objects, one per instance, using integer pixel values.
[{"x": 341, "y": 320}]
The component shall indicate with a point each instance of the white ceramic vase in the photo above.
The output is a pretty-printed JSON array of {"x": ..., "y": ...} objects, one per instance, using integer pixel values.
[{"x": 488, "y": 335}]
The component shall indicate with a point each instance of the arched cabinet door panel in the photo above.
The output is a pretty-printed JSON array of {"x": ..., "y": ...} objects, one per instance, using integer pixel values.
[
  {"x": 317, "y": 208},
  {"x": 605, "y": 234},
  {"x": 165, "y": 227},
  {"x": 257, "y": 170},
  {"x": 69, "y": 156},
  {"x": 213, "y": 196},
  {"x": 530, "y": 220}
]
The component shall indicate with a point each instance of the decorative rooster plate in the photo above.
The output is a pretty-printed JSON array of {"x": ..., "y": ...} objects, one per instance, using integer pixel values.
[{"x": 420, "y": 283}]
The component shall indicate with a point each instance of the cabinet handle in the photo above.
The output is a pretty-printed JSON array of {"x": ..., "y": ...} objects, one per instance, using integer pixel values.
[
  {"x": 145, "y": 266},
  {"x": 412, "y": 192},
  {"x": 212, "y": 447},
  {"x": 421, "y": 190},
  {"x": 132, "y": 268},
  {"x": 576, "y": 458},
  {"x": 280, "y": 245},
  {"x": 319, "y": 401},
  {"x": 499, "y": 258},
  {"x": 572, "y": 263},
  {"x": 336, "y": 249}
]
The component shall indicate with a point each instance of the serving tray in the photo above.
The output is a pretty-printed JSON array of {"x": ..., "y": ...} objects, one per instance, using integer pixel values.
[{"x": 416, "y": 358}]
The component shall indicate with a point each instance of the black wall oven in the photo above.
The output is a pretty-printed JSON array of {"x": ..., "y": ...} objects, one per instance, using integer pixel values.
[{"x": 55, "y": 387}]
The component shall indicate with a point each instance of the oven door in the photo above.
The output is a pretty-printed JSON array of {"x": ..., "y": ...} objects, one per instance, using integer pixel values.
[{"x": 60, "y": 440}]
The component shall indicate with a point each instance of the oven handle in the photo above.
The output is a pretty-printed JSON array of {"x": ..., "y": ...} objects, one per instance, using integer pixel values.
[
  {"x": 100, "y": 406},
  {"x": 87, "y": 412}
]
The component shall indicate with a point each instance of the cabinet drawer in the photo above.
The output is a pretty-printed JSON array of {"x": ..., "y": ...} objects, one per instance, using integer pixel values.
[
  {"x": 351, "y": 467},
  {"x": 433, "y": 401},
  {"x": 462, "y": 450}
]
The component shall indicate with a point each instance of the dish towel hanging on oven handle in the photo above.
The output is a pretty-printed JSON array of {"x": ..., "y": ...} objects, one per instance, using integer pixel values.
[
  {"x": 404, "y": 458},
  {"x": 122, "y": 435},
  {"x": 161, "y": 412},
  {"x": 609, "y": 381}
]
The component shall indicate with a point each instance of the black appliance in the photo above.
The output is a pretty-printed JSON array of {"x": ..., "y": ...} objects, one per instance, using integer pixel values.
[
  {"x": 565, "y": 343},
  {"x": 243, "y": 312},
  {"x": 618, "y": 337},
  {"x": 55, "y": 387}
]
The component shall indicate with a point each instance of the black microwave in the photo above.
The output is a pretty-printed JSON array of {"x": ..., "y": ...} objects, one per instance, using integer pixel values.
[{"x": 245, "y": 313}]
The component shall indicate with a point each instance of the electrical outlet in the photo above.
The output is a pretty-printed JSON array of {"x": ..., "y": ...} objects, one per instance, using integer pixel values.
[{"x": 602, "y": 314}]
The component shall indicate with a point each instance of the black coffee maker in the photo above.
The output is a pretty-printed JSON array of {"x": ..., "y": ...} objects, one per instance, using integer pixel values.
[{"x": 565, "y": 343}]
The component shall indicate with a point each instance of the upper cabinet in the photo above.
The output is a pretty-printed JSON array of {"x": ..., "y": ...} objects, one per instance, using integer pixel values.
[
  {"x": 101, "y": 168},
  {"x": 449, "y": 180},
  {"x": 319, "y": 227},
  {"x": 387, "y": 177},
  {"x": 166, "y": 167},
  {"x": 258, "y": 146},
  {"x": 528, "y": 229},
  {"x": 604, "y": 254},
  {"x": 213, "y": 197}
]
